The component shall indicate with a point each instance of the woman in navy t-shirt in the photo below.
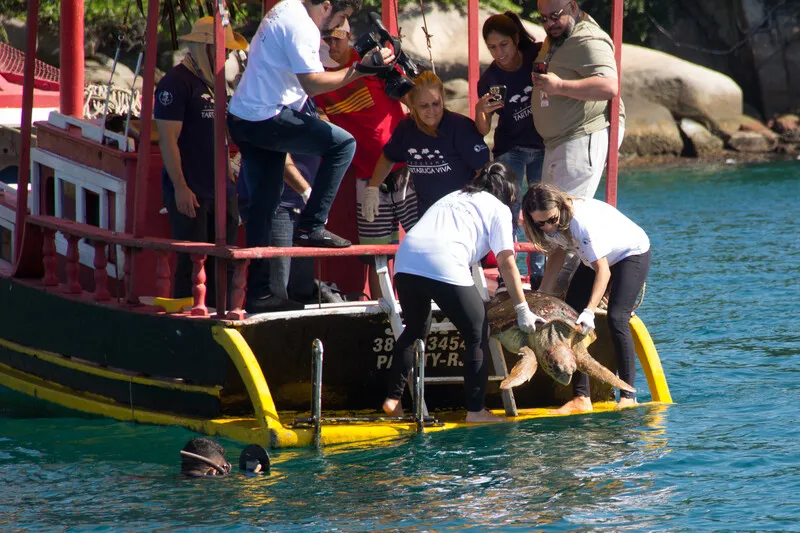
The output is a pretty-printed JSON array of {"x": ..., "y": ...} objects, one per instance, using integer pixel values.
[
  {"x": 516, "y": 141},
  {"x": 442, "y": 149}
]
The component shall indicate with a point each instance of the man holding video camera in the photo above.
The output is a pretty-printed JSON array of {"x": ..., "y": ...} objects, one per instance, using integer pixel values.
[
  {"x": 574, "y": 77},
  {"x": 266, "y": 122},
  {"x": 369, "y": 110}
]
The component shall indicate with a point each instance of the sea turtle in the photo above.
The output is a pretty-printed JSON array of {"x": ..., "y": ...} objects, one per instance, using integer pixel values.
[{"x": 558, "y": 345}]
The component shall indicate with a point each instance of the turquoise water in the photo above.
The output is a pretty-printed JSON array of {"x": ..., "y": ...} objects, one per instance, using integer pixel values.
[{"x": 721, "y": 304}]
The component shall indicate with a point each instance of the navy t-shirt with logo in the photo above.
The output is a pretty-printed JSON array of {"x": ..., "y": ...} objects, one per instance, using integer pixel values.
[
  {"x": 182, "y": 96},
  {"x": 515, "y": 122},
  {"x": 442, "y": 164}
]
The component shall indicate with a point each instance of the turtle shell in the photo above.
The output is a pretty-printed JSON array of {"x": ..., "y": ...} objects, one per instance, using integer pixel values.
[{"x": 502, "y": 316}]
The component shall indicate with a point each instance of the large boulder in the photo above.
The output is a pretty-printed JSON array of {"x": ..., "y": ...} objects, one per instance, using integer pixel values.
[
  {"x": 701, "y": 141},
  {"x": 650, "y": 129},
  {"x": 687, "y": 90},
  {"x": 749, "y": 141}
]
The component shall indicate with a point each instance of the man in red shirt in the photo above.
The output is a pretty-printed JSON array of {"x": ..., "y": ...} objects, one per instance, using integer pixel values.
[{"x": 363, "y": 109}]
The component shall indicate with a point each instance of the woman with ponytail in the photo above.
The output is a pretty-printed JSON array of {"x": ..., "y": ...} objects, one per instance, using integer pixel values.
[{"x": 434, "y": 263}]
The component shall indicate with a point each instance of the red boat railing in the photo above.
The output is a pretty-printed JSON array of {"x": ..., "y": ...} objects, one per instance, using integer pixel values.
[{"x": 199, "y": 252}]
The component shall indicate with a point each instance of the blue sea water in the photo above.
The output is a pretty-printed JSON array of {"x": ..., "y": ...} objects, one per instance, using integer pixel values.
[{"x": 722, "y": 304}]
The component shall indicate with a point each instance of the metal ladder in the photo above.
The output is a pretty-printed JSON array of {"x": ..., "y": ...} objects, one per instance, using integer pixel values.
[{"x": 390, "y": 305}]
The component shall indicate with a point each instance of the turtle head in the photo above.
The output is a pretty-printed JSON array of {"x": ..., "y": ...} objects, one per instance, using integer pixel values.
[{"x": 559, "y": 363}]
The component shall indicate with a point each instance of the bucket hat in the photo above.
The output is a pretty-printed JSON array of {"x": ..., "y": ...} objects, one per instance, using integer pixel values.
[{"x": 203, "y": 32}]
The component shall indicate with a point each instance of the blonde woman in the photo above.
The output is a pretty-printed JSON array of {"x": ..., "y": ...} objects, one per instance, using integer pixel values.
[
  {"x": 442, "y": 149},
  {"x": 612, "y": 249}
]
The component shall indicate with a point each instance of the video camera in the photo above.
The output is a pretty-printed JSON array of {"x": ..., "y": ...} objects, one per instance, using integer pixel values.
[{"x": 397, "y": 84}]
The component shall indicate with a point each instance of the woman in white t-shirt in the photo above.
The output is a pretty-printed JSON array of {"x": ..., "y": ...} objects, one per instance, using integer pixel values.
[
  {"x": 612, "y": 249},
  {"x": 434, "y": 263}
]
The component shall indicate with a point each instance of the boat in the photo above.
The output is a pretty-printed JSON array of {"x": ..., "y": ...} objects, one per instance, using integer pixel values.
[{"x": 88, "y": 323}]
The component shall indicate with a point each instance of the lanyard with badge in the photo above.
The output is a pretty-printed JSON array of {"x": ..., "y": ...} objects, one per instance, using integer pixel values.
[{"x": 541, "y": 68}]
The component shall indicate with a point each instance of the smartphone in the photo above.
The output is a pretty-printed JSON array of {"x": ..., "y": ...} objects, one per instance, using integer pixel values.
[
  {"x": 498, "y": 93},
  {"x": 540, "y": 67}
]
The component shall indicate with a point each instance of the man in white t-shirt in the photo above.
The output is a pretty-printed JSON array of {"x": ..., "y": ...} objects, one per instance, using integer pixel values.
[{"x": 271, "y": 115}]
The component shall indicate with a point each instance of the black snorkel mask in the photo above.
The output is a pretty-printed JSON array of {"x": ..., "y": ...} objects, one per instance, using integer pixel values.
[{"x": 219, "y": 470}]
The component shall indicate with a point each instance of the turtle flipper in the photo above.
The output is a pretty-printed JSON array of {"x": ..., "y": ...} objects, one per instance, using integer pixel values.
[
  {"x": 512, "y": 339},
  {"x": 589, "y": 365},
  {"x": 523, "y": 371}
]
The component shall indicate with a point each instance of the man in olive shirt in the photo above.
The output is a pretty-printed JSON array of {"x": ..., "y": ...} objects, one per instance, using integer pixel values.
[{"x": 570, "y": 101}]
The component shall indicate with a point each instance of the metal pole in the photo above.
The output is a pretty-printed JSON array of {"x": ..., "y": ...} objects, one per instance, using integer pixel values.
[
  {"x": 612, "y": 169},
  {"x": 316, "y": 390},
  {"x": 71, "y": 58},
  {"x": 221, "y": 155},
  {"x": 23, "y": 176},
  {"x": 473, "y": 65},
  {"x": 141, "y": 206},
  {"x": 419, "y": 384},
  {"x": 389, "y": 16}
]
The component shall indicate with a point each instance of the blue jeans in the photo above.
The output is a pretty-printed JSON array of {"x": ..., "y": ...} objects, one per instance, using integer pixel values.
[
  {"x": 289, "y": 277},
  {"x": 264, "y": 146},
  {"x": 526, "y": 163}
]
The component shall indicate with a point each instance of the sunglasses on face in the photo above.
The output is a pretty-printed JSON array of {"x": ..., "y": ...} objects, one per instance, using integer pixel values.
[
  {"x": 553, "y": 17},
  {"x": 543, "y": 223}
]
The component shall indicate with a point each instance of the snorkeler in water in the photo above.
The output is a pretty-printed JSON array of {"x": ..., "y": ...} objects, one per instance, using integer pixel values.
[{"x": 202, "y": 456}]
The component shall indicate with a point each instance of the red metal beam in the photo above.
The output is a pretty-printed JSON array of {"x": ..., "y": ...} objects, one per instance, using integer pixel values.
[
  {"x": 473, "y": 65},
  {"x": 612, "y": 170},
  {"x": 389, "y": 10},
  {"x": 23, "y": 177},
  {"x": 93, "y": 233},
  {"x": 221, "y": 154},
  {"x": 140, "y": 204},
  {"x": 71, "y": 58}
]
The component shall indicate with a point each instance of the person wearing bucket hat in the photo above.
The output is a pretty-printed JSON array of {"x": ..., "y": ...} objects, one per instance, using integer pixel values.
[
  {"x": 184, "y": 114},
  {"x": 267, "y": 118}
]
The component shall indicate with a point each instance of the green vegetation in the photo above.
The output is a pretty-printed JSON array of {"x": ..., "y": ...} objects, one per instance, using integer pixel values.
[{"x": 104, "y": 18}]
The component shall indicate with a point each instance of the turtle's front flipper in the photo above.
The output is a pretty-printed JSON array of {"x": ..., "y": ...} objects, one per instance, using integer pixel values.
[
  {"x": 589, "y": 365},
  {"x": 523, "y": 371}
]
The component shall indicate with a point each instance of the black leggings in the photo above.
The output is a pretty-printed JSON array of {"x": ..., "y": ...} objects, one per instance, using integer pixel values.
[
  {"x": 627, "y": 278},
  {"x": 465, "y": 309}
]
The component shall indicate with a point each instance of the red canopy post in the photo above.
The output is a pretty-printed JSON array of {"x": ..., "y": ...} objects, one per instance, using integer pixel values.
[
  {"x": 613, "y": 133},
  {"x": 473, "y": 66},
  {"x": 220, "y": 151},
  {"x": 143, "y": 160},
  {"x": 389, "y": 11},
  {"x": 71, "y": 54},
  {"x": 23, "y": 176}
]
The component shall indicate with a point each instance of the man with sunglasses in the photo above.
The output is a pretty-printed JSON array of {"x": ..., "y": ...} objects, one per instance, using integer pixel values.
[{"x": 576, "y": 78}]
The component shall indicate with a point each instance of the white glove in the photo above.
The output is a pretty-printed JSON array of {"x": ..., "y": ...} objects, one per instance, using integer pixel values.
[
  {"x": 526, "y": 320},
  {"x": 370, "y": 204},
  {"x": 586, "y": 321},
  {"x": 306, "y": 195}
]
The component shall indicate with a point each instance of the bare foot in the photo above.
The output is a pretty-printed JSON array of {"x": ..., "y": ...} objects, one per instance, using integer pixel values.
[
  {"x": 392, "y": 407},
  {"x": 579, "y": 404},
  {"x": 482, "y": 417},
  {"x": 626, "y": 402}
]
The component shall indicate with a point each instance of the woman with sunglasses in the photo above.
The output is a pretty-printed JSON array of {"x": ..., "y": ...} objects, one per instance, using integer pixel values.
[
  {"x": 516, "y": 141},
  {"x": 613, "y": 251},
  {"x": 434, "y": 262}
]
